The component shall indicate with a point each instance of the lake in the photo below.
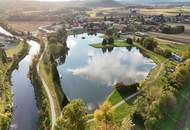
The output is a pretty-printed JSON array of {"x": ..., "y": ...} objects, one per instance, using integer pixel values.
[{"x": 89, "y": 73}]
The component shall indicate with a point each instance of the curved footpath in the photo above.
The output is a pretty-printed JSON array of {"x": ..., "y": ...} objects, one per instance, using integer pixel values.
[{"x": 52, "y": 106}]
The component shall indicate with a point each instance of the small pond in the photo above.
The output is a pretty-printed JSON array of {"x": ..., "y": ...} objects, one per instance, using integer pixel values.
[{"x": 89, "y": 73}]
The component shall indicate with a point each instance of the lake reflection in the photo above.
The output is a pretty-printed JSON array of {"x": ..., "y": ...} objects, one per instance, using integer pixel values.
[
  {"x": 89, "y": 73},
  {"x": 109, "y": 68}
]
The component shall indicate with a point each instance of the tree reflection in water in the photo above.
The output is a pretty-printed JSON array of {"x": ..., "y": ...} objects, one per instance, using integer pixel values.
[{"x": 109, "y": 49}]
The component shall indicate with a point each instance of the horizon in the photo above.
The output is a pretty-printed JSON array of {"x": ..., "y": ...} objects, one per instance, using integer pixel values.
[{"x": 128, "y": 1}]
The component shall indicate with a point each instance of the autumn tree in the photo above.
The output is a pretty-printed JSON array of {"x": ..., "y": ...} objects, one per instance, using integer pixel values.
[
  {"x": 3, "y": 56},
  {"x": 127, "y": 124},
  {"x": 104, "y": 118},
  {"x": 73, "y": 117}
]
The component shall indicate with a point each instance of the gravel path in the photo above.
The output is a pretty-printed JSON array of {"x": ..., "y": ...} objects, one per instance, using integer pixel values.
[{"x": 52, "y": 106}]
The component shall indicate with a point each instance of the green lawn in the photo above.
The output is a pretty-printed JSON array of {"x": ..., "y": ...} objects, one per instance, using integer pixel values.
[
  {"x": 114, "y": 97},
  {"x": 116, "y": 44},
  {"x": 174, "y": 47}
]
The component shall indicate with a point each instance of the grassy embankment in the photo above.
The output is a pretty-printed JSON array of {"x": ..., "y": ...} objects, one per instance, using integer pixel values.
[
  {"x": 46, "y": 71},
  {"x": 18, "y": 51}
]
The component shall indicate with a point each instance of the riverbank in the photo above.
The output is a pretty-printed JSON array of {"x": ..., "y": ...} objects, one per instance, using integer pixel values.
[
  {"x": 6, "y": 107},
  {"x": 47, "y": 69}
]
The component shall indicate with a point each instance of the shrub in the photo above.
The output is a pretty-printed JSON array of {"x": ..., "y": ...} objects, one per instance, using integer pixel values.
[
  {"x": 181, "y": 74},
  {"x": 164, "y": 52},
  {"x": 129, "y": 41},
  {"x": 149, "y": 43}
]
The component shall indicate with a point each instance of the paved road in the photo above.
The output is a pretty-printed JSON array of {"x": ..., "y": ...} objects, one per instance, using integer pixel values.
[{"x": 52, "y": 106}]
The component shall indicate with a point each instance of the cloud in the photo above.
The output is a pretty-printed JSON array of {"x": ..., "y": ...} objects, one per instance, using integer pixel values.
[{"x": 112, "y": 67}]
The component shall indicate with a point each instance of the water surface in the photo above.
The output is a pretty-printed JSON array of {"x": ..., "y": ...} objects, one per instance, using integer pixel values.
[
  {"x": 25, "y": 112},
  {"x": 89, "y": 73}
]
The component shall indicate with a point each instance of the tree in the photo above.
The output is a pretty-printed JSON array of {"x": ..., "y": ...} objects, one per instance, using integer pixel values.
[
  {"x": 186, "y": 54},
  {"x": 104, "y": 119},
  {"x": 73, "y": 116},
  {"x": 105, "y": 18},
  {"x": 129, "y": 41},
  {"x": 62, "y": 35},
  {"x": 149, "y": 43},
  {"x": 127, "y": 124},
  {"x": 3, "y": 56}
]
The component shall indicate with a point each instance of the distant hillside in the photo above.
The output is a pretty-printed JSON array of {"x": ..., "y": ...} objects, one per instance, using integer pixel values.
[
  {"x": 102, "y": 3},
  {"x": 161, "y": 2}
]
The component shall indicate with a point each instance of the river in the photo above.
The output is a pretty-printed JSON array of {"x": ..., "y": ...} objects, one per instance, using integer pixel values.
[{"x": 25, "y": 111}]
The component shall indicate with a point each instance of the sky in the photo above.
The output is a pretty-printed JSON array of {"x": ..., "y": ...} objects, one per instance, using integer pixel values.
[{"x": 133, "y": 1}]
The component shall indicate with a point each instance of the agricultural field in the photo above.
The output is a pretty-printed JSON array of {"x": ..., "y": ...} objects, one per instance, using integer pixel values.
[
  {"x": 29, "y": 25},
  {"x": 166, "y": 11}
]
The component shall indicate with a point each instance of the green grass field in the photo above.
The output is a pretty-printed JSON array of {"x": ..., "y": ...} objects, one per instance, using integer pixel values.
[
  {"x": 48, "y": 79},
  {"x": 116, "y": 44},
  {"x": 174, "y": 47}
]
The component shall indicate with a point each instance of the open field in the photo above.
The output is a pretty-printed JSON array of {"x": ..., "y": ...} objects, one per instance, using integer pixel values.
[
  {"x": 29, "y": 25},
  {"x": 183, "y": 38},
  {"x": 166, "y": 11}
]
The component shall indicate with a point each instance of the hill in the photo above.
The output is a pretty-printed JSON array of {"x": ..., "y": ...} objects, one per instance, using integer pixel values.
[{"x": 102, "y": 3}]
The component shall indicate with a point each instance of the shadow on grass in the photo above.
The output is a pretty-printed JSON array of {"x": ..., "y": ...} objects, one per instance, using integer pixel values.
[{"x": 126, "y": 90}]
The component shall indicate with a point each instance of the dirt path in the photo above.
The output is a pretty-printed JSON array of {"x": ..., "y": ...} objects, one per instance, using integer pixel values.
[
  {"x": 181, "y": 123},
  {"x": 52, "y": 106},
  {"x": 159, "y": 71}
]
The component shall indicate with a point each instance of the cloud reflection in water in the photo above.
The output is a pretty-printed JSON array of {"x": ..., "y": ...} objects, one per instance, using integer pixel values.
[{"x": 109, "y": 68}]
